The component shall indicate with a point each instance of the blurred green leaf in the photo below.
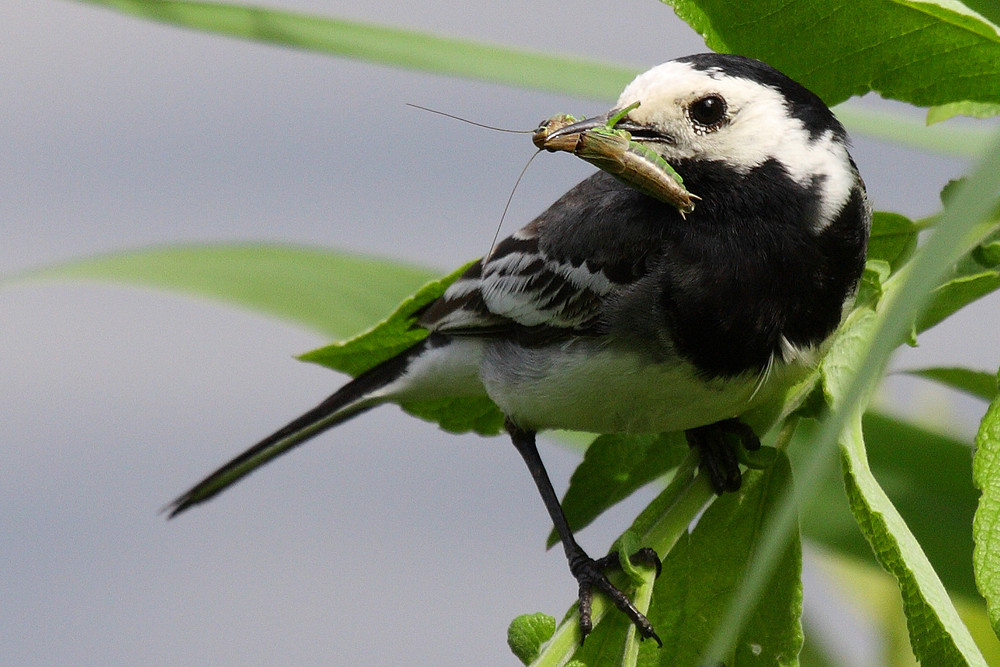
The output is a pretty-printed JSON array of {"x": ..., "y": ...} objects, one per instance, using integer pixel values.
[
  {"x": 919, "y": 469},
  {"x": 391, "y": 46},
  {"x": 873, "y": 593},
  {"x": 400, "y": 47},
  {"x": 987, "y": 254},
  {"x": 918, "y": 51},
  {"x": 977, "y": 383},
  {"x": 960, "y": 140},
  {"x": 974, "y": 274},
  {"x": 814, "y": 653},
  {"x": 986, "y": 528},
  {"x": 963, "y": 108},
  {"x": 334, "y": 293},
  {"x": 955, "y": 294}
]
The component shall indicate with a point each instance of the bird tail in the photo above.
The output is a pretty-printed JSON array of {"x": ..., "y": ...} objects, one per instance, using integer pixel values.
[{"x": 359, "y": 395}]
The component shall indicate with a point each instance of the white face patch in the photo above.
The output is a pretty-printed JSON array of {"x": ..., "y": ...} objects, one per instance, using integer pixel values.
[{"x": 757, "y": 127}]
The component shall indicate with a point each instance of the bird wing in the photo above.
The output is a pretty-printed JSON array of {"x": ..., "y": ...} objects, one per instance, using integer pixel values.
[
  {"x": 556, "y": 276},
  {"x": 520, "y": 288}
]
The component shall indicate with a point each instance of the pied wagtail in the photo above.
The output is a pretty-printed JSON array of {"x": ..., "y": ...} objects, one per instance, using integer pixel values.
[{"x": 612, "y": 313}]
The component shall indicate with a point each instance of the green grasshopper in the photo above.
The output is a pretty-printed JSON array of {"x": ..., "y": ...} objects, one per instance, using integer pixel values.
[{"x": 613, "y": 150}]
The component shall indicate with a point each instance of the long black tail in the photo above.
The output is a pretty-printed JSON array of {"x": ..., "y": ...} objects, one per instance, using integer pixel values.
[{"x": 355, "y": 397}]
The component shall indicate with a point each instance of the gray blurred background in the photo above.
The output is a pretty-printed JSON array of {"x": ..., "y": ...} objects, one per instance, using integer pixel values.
[{"x": 387, "y": 541}]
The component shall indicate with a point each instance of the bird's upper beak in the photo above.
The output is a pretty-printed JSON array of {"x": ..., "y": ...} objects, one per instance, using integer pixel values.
[
  {"x": 607, "y": 142},
  {"x": 562, "y": 132}
]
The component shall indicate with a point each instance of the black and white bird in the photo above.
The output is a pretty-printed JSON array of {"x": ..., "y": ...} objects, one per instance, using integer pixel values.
[{"x": 612, "y": 313}]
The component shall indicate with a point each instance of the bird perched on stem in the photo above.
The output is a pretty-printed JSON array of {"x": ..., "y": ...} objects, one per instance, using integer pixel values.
[{"x": 612, "y": 313}]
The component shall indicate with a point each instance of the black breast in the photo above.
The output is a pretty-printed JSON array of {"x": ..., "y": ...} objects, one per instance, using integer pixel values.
[{"x": 752, "y": 264}]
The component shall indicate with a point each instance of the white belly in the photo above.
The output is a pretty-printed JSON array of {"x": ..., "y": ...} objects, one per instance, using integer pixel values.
[
  {"x": 585, "y": 388},
  {"x": 582, "y": 386}
]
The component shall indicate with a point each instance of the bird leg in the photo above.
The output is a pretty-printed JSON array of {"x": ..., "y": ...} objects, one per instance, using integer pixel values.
[
  {"x": 719, "y": 458},
  {"x": 589, "y": 573}
]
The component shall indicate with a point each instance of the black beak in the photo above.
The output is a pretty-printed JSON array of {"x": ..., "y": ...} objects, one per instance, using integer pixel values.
[
  {"x": 592, "y": 123},
  {"x": 555, "y": 134},
  {"x": 580, "y": 127}
]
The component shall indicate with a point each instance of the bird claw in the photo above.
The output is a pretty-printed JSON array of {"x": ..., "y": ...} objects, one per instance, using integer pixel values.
[
  {"x": 589, "y": 574},
  {"x": 719, "y": 458}
]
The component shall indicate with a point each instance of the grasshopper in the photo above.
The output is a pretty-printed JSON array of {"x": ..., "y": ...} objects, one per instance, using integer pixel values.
[{"x": 614, "y": 151}]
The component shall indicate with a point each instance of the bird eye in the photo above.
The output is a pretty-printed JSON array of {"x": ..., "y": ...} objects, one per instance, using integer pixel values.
[{"x": 708, "y": 111}]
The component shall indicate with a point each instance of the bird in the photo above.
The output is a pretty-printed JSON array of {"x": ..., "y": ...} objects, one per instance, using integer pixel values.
[{"x": 614, "y": 312}]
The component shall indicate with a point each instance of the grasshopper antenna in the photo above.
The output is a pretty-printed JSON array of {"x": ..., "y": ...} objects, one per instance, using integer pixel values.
[
  {"x": 509, "y": 200},
  {"x": 519, "y": 176},
  {"x": 470, "y": 122}
]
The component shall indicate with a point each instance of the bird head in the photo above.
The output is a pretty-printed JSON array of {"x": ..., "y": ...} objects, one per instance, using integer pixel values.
[
  {"x": 735, "y": 114},
  {"x": 741, "y": 113}
]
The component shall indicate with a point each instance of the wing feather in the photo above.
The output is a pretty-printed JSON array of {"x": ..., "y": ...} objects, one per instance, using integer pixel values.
[
  {"x": 519, "y": 287},
  {"x": 554, "y": 277}
]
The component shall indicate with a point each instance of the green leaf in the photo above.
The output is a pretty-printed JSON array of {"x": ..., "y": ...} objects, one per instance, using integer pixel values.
[
  {"x": 497, "y": 64},
  {"x": 937, "y": 634},
  {"x": 850, "y": 369},
  {"x": 395, "y": 334},
  {"x": 973, "y": 276},
  {"x": 814, "y": 652},
  {"x": 613, "y": 467},
  {"x": 392, "y": 46},
  {"x": 918, "y": 469},
  {"x": 977, "y": 383},
  {"x": 873, "y": 277},
  {"x": 331, "y": 292},
  {"x": 963, "y": 108},
  {"x": 960, "y": 140},
  {"x": 986, "y": 527},
  {"x": 987, "y": 254},
  {"x": 955, "y": 294},
  {"x": 699, "y": 576},
  {"x": 527, "y": 633},
  {"x": 386, "y": 339},
  {"x": 644, "y": 576},
  {"x": 893, "y": 238},
  {"x": 918, "y": 51}
]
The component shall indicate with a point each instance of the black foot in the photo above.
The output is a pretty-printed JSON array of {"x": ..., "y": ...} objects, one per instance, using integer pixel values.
[
  {"x": 589, "y": 574},
  {"x": 718, "y": 457}
]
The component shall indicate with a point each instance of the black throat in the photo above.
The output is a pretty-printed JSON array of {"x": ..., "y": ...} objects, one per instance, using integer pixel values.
[{"x": 752, "y": 265}]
